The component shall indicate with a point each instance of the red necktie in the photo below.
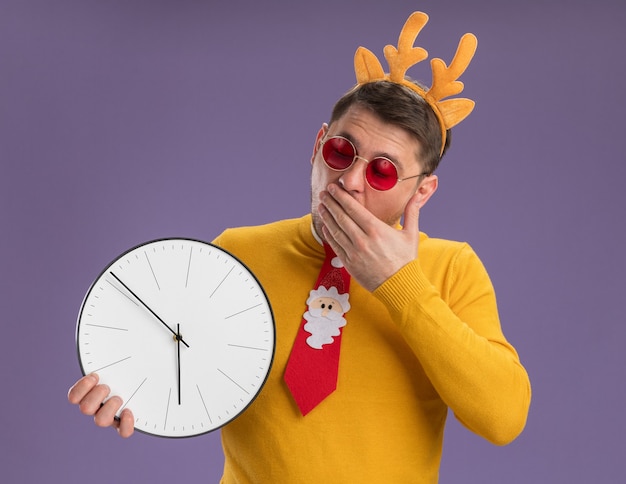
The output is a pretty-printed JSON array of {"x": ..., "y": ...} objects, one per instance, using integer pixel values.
[{"x": 311, "y": 372}]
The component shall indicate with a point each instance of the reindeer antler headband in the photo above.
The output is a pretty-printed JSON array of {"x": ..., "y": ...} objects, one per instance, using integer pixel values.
[{"x": 444, "y": 83}]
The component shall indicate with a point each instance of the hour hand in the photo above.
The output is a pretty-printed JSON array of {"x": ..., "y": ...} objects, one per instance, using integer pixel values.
[{"x": 149, "y": 309}]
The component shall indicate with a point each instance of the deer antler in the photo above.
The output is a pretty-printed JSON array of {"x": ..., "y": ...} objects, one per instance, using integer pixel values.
[
  {"x": 445, "y": 83},
  {"x": 406, "y": 55},
  {"x": 450, "y": 112}
]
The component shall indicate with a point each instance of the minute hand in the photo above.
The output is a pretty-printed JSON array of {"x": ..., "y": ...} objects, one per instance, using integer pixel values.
[{"x": 148, "y": 308}]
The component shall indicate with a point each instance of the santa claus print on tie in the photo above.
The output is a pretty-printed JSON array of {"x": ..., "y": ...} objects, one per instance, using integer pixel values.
[{"x": 326, "y": 307}]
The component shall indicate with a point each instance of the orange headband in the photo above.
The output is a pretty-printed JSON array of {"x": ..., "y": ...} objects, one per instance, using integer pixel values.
[{"x": 449, "y": 112}]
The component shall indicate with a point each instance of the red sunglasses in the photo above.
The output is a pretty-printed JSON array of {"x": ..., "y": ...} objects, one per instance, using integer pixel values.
[{"x": 381, "y": 173}]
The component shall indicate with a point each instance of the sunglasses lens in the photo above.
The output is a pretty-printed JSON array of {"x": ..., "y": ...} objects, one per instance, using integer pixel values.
[
  {"x": 381, "y": 174},
  {"x": 338, "y": 153}
]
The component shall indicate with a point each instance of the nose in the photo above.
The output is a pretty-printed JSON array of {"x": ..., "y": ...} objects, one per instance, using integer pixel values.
[{"x": 353, "y": 179}]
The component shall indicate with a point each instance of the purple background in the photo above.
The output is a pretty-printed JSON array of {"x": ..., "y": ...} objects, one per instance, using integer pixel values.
[{"x": 124, "y": 121}]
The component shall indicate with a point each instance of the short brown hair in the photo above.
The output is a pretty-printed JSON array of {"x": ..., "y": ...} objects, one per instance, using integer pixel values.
[{"x": 399, "y": 106}]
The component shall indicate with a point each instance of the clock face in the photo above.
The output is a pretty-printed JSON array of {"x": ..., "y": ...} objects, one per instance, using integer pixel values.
[{"x": 182, "y": 331}]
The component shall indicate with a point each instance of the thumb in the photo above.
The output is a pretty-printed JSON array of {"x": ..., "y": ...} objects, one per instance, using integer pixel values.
[{"x": 412, "y": 214}]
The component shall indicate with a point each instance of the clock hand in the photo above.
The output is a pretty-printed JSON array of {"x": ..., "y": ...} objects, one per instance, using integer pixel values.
[
  {"x": 148, "y": 308},
  {"x": 178, "y": 340}
]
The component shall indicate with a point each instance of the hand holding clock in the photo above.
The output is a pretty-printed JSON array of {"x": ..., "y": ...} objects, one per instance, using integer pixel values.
[{"x": 90, "y": 396}]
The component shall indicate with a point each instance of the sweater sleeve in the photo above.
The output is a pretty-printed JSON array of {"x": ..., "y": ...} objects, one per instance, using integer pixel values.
[{"x": 454, "y": 331}]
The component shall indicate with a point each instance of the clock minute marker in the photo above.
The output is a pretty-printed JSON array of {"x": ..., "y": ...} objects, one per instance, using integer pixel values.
[
  {"x": 188, "y": 266},
  {"x": 167, "y": 409},
  {"x": 133, "y": 394},
  {"x": 221, "y": 282},
  {"x": 152, "y": 270},
  {"x": 243, "y": 311},
  {"x": 204, "y": 405},
  {"x": 247, "y": 393},
  {"x": 247, "y": 347},
  {"x": 105, "y": 327},
  {"x": 111, "y": 364}
]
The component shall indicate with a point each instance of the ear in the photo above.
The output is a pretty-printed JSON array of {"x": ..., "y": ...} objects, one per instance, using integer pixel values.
[
  {"x": 318, "y": 139},
  {"x": 427, "y": 188}
]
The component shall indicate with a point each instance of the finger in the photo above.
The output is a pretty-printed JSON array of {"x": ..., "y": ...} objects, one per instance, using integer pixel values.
[
  {"x": 330, "y": 223},
  {"x": 92, "y": 401},
  {"x": 360, "y": 221},
  {"x": 347, "y": 210},
  {"x": 126, "y": 424},
  {"x": 333, "y": 211},
  {"x": 337, "y": 248},
  {"x": 105, "y": 416},
  {"x": 339, "y": 222},
  {"x": 333, "y": 231},
  {"x": 412, "y": 215},
  {"x": 81, "y": 388}
]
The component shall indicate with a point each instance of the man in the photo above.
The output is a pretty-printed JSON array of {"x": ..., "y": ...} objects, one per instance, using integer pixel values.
[{"x": 421, "y": 331}]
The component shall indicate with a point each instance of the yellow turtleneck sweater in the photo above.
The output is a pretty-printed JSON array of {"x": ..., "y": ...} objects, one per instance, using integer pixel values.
[{"x": 426, "y": 340}]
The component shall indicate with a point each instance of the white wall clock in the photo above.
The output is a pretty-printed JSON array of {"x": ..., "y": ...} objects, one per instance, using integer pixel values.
[{"x": 182, "y": 331}]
